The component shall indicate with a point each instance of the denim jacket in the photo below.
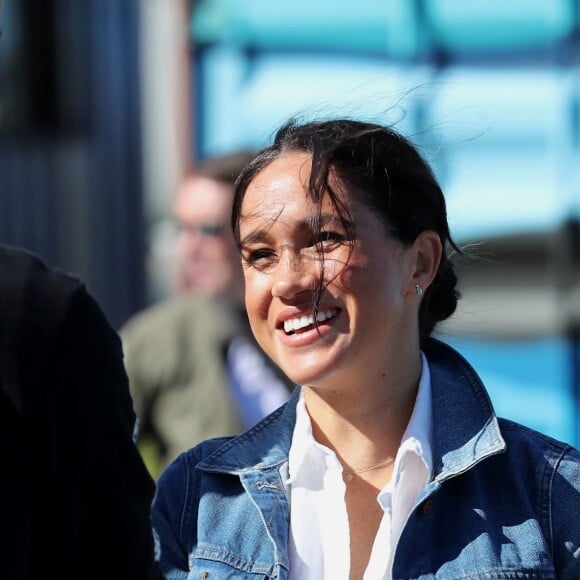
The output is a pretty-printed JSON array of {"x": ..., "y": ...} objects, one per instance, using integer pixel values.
[{"x": 504, "y": 501}]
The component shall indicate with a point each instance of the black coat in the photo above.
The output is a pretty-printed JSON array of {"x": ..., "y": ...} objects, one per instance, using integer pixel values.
[{"x": 74, "y": 492}]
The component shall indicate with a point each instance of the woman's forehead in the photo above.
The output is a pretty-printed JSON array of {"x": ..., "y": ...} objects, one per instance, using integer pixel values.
[
  {"x": 278, "y": 186},
  {"x": 287, "y": 170},
  {"x": 288, "y": 176},
  {"x": 279, "y": 193}
]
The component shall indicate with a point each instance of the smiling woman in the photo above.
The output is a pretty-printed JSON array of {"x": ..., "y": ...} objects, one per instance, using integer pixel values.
[
  {"x": 388, "y": 461},
  {"x": 293, "y": 249}
]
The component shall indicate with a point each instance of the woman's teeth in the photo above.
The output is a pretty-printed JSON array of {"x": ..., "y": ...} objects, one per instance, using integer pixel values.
[{"x": 296, "y": 324}]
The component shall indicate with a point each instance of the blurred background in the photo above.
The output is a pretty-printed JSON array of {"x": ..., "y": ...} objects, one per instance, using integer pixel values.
[{"x": 105, "y": 103}]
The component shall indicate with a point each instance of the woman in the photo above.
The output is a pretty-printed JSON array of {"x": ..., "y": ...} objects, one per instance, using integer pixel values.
[{"x": 388, "y": 460}]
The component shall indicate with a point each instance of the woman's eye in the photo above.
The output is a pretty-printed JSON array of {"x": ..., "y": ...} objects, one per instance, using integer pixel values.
[
  {"x": 329, "y": 238},
  {"x": 258, "y": 256}
]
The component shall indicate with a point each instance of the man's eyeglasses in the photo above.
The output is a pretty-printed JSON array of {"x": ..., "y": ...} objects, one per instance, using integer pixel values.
[{"x": 204, "y": 229}]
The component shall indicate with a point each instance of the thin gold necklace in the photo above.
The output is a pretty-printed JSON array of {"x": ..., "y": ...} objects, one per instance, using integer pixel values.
[{"x": 348, "y": 475}]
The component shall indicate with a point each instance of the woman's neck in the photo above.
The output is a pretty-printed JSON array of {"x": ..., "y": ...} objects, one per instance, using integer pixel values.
[{"x": 364, "y": 425}]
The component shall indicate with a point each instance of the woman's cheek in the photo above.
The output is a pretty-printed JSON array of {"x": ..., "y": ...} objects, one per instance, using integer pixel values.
[
  {"x": 350, "y": 275},
  {"x": 258, "y": 292}
]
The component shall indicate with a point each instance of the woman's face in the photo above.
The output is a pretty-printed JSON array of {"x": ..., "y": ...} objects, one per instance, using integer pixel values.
[{"x": 368, "y": 309}]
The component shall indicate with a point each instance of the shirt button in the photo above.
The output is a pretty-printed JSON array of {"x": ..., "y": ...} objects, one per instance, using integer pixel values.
[{"x": 426, "y": 506}]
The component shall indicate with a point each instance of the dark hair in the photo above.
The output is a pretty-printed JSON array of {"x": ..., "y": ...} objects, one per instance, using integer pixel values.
[
  {"x": 224, "y": 167},
  {"x": 388, "y": 175}
]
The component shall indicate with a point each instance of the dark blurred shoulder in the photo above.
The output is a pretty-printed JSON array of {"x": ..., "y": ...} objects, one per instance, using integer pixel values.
[
  {"x": 28, "y": 285},
  {"x": 35, "y": 303}
]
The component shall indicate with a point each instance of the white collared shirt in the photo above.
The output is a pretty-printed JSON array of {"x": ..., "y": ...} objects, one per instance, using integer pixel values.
[{"x": 319, "y": 532}]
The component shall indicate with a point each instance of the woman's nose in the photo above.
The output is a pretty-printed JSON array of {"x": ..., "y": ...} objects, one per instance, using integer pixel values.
[{"x": 294, "y": 275}]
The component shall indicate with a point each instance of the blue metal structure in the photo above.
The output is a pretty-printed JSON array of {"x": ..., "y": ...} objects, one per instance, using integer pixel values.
[{"x": 70, "y": 149}]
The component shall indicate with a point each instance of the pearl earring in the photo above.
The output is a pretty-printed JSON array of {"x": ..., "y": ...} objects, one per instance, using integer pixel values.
[{"x": 419, "y": 290}]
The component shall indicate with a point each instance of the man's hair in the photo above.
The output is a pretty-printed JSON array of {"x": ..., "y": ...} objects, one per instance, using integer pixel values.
[{"x": 224, "y": 168}]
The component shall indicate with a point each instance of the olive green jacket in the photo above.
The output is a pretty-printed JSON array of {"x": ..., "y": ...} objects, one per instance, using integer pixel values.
[{"x": 175, "y": 358}]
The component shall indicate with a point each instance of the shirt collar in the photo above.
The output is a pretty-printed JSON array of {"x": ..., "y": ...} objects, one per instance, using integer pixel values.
[
  {"x": 416, "y": 438},
  {"x": 304, "y": 446}
]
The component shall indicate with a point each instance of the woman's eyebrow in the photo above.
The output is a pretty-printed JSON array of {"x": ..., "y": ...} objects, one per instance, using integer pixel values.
[
  {"x": 306, "y": 224},
  {"x": 253, "y": 237},
  {"x": 330, "y": 219}
]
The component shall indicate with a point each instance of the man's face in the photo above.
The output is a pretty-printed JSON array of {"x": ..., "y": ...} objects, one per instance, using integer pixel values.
[{"x": 209, "y": 257}]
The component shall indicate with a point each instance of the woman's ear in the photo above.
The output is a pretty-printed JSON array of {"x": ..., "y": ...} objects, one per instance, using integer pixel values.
[{"x": 427, "y": 254}]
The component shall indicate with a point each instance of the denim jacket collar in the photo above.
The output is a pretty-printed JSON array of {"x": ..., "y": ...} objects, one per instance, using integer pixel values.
[
  {"x": 265, "y": 446},
  {"x": 464, "y": 432},
  {"x": 465, "y": 427}
]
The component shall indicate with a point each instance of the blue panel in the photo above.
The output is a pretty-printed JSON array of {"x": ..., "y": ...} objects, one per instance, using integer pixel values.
[
  {"x": 504, "y": 149},
  {"x": 477, "y": 25},
  {"x": 395, "y": 28},
  {"x": 245, "y": 101},
  {"x": 365, "y": 26},
  {"x": 528, "y": 381}
]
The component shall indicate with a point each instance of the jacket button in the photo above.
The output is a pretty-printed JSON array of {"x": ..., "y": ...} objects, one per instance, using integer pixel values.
[{"x": 426, "y": 506}]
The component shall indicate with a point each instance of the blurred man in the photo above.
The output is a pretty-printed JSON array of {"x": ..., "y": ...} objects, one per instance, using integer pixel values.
[
  {"x": 194, "y": 368},
  {"x": 207, "y": 254}
]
